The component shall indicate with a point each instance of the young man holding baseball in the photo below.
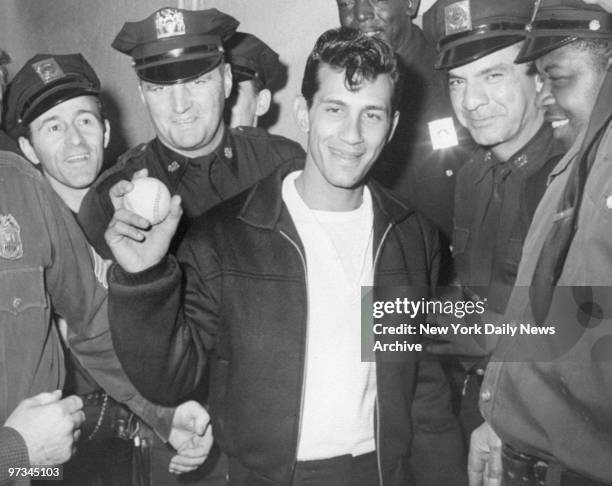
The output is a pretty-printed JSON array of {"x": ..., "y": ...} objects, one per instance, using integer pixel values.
[{"x": 266, "y": 290}]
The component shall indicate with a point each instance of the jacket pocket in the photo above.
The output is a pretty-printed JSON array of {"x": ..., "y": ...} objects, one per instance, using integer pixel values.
[{"x": 22, "y": 289}]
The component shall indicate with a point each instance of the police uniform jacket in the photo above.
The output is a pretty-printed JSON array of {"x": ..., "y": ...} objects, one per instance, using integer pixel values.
[
  {"x": 244, "y": 156},
  {"x": 494, "y": 204},
  {"x": 550, "y": 396},
  {"x": 46, "y": 269},
  {"x": 244, "y": 312}
]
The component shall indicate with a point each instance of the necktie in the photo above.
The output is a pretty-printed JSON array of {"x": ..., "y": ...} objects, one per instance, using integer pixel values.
[{"x": 556, "y": 246}]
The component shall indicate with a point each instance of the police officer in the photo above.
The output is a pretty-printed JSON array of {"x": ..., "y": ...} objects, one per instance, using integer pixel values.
[
  {"x": 55, "y": 113},
  {"x": 178, "y": 56},
  {"x": 257, "y": 72},
  {"x": 498, "y": 190},
  {"x": 551, "y": 412},
  {"x": 428, "y": 148}
]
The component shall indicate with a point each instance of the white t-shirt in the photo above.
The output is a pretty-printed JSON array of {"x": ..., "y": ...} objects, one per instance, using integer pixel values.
[{"x": 339, "y": 390}]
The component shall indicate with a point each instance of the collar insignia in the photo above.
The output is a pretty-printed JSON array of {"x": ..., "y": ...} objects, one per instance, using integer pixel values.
[
  {"x": 520, "y": 161},
  {"x": 174, "y": 166}
]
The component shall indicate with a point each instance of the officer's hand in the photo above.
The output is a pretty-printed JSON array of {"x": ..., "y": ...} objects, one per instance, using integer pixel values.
[
  {"x": 136, "y": 245},
  {"x": 484, "y": 460},
  {"x": 49, "y": 426},
  {"x": 605, "y": 4},
  {"x": 191, "y": 436}
]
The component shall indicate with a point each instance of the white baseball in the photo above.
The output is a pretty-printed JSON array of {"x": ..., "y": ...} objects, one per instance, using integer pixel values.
[{"x": 149, "y": 198}]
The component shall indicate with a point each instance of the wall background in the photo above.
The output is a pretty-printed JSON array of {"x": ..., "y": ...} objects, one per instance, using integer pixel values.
[{"x": 28, "y": 27}]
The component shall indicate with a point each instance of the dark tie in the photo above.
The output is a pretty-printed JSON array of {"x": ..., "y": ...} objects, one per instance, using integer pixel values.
[{"x": 556, "y": 246}]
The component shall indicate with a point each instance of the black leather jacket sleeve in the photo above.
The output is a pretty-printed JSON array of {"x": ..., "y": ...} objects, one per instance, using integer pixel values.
[{"x": 163, "y": 333}]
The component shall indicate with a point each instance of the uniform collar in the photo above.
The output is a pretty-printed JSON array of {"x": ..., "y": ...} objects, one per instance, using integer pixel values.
[
  {"x": 225, "y": 152},
  {"x": 528, "y": 159}
]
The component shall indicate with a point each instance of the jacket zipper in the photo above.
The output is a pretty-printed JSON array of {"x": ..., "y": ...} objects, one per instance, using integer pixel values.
[
  {"x": 377, "y": 431},
  {"x": 304, "y": 367}
]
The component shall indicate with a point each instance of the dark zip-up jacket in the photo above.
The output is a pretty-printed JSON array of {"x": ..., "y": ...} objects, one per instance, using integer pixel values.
[{"x": 238, "y": 301}]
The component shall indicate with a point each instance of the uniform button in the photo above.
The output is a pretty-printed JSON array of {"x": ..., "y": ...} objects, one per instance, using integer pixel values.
[
  {"x": 449, "y": 173},
  {"x": 16, "y": 302},
  {"x": 480, "y": 371},
  {"x": 609, "y": 202},
  {"x": 485, "y": 396}
]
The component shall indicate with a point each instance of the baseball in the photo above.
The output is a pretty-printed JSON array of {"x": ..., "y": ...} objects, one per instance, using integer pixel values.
[{"x": 149, "y": 198}]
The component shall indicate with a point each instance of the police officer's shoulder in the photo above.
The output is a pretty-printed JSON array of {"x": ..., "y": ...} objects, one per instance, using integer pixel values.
[
  {"x": 282, "y": 144},
  {"x": 14, "y": 164}
]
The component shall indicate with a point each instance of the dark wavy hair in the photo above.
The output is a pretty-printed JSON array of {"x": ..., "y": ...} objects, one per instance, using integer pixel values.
[{"x": 360, "y": 56}]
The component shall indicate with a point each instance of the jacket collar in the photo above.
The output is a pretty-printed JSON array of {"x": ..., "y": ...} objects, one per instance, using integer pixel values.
[{"x": 264, "y": 207}]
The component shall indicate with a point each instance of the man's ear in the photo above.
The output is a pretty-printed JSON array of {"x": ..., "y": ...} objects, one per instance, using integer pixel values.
[
  {"x": 141, "y": 91},
  {"x": 264, "y": 100},
  {"x": 106, "y": 133},
  {"x": 227, "y": 79},
  {"x": 394, "y": 122},
  {"x": 28, "y": 150},
  {"x": 300, "y": 111},
  {"x": 412, "y": 7}
]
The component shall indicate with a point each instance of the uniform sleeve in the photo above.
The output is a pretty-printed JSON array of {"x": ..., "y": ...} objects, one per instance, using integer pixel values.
[
  {"x": 13, "y": 453},
  {"x": 164, "y": 321},
  {"x": 76, "y": 281}
]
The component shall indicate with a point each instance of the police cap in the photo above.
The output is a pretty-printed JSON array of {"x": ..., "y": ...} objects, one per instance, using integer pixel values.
[
  {"x": 252, "y": 60},
  {"x": 467, "y": 30},
  {"x": 559, "y": 22},
  {"x": 47, "y": 80},
  {"x": 173, "y": 45}
]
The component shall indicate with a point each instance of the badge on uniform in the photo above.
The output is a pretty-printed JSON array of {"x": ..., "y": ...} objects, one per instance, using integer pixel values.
[
  {"x": 228, "y": 152},
  {"x": 442, "y": 133},
  {"x": 48, "y": 70},
  {"x": 169, "y": 22},
  {"x": 457, "y": 17},
  {"x": 10, "y": 238}
]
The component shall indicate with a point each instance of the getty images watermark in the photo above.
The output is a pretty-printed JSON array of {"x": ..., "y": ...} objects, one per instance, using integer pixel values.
[{"x": 400, "y": 323}]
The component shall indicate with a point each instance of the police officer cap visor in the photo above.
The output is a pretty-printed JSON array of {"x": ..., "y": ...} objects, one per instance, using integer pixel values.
[
  {"x": 536, "y": 47},
  {"x": 180, "y": 71},
  {"x": 466, "y": 53},
  {"x": 65, "y": 90}
]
